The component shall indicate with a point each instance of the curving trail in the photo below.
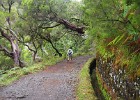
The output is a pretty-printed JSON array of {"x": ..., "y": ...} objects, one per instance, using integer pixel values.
[{"x": 57, "y": 82}]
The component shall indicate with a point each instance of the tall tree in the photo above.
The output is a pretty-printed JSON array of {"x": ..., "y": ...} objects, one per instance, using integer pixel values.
[{"x": 8, "y": 34}]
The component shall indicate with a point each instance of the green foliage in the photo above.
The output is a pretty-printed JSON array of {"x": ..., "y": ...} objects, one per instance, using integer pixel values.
[
  {"x": 26, "y": 2},
  {"x": 26, "y": 55},
  {"x": 3, "y": 62},
  {"x": 116, "y": 40},
  {"x": 116, "y": 25},
  {"x": 7, "y": 77},
  {"x": 113, "y": 23}
]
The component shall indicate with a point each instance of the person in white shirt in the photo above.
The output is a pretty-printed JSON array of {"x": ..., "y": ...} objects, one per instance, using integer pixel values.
[{"x": 70, "y": 53}]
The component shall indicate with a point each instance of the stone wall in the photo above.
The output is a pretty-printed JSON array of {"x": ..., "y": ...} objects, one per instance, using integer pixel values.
[{"x": 118, "y": 80}]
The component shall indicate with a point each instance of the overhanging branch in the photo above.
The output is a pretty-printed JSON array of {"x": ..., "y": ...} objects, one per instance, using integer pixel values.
[
  {"x": 72, "y": 27},
  {"x": 5, "y": 35},
  {"x": 45, "y": 27},
  {"x": 112, "y": 20}
]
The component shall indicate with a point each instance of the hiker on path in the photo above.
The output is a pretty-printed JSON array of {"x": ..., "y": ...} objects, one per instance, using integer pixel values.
[{"x": 70, "y": 53}]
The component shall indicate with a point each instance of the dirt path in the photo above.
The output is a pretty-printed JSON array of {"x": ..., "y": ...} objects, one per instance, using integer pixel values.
[{"x": 57, "y": 82}]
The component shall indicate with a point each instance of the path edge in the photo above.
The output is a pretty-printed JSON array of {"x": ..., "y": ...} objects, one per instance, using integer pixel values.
[{"x": 84, "y": 89}]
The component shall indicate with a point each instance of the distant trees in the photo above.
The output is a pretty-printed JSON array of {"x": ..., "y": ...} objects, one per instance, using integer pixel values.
[
  {"x": 36, "y": 25},
  {"x": 45, "y": 16}
]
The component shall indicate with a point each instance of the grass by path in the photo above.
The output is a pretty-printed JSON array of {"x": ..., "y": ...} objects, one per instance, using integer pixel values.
[
  {"x": 85, "y": 90},
  {"x": 9, "y": 76},
  {"x": 16, "y": 73}
]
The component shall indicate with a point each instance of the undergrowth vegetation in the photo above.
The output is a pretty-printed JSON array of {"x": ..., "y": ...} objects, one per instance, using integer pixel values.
[{"x": 8, "y": 76}]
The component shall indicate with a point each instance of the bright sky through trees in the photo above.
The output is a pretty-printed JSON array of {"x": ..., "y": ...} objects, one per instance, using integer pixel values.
[{"x": 77, "y": 0}]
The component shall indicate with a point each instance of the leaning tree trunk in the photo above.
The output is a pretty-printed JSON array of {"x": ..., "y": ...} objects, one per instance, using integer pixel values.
[
  {"x": 15, "y": 54},
  {"x": 68, "y": 25},
  {"x": 57, "y": 51},
  {"x": 49, "y": 40}
]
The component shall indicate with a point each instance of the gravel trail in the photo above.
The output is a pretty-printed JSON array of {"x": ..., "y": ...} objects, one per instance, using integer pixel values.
[{"x": 57, "y": 82}]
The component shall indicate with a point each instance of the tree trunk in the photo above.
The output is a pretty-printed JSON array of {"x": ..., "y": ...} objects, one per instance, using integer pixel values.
[
  {"x": 49, "y": 40},
  {"x": 34, "y": 56},
  {"x": 15, "y": 54},
  {"x": 57, "y": 51}
]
